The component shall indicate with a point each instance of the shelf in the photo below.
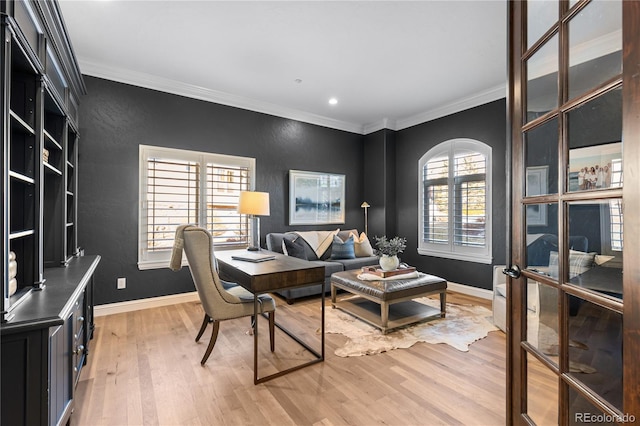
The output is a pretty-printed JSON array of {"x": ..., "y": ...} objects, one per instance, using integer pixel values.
[
  {"x": 70, "y": 164},
  {"x": 23, "y": 125},
  {"x": 69, "y": 224},
  {"x": 49, "y": 167},
  {"x": 70, "y": 194},
  {"x": 51, "y": 139},
  {"x": 21, "y": 177},
  {"x": 21, "y": 234}
]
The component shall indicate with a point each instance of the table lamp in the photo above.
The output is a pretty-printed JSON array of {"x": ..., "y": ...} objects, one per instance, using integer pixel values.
[{"x": 254, "y": 204}]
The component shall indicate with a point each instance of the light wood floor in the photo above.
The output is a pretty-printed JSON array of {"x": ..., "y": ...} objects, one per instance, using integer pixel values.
[{"x": 144, "y": 369}]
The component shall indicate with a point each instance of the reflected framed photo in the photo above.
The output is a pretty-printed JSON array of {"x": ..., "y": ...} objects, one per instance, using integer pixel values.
[
  {"x": 595, "y": 167},
  {"x": 537, "y": 184},
  {"x": 316, "y": 198}
]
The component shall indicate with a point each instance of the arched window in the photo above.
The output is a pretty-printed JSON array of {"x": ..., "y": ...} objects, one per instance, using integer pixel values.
[{"x": 454, "y": 201}]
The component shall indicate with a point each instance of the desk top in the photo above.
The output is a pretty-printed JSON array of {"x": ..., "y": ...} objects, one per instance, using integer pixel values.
[
  {"x": 602, "y": 279},
  {"x": 280, "y": 273}
]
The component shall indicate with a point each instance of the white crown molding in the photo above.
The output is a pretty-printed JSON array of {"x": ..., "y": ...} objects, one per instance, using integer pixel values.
[
  {"x": 475, "y": 100},
  {"x": 196, "y": 92}
]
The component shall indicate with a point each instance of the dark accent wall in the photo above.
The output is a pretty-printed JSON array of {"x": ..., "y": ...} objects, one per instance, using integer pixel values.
[
  {"x": 486, "y": 123},
  {"x": 379, "y": 182},
  {"x": 116, "y": 118}
]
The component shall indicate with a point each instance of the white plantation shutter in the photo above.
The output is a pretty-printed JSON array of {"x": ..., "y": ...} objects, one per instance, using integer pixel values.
[
  {"x": 469, "y": 199},
  {"x": 172, "y": 199},
  {"x": 224, "y": 184},
  {"x": 179, "y": 187},
  {"x": 454, "y": 216}
]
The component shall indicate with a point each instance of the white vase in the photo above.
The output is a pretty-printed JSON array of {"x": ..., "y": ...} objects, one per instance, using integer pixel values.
[{"x": 389, "y": 263}]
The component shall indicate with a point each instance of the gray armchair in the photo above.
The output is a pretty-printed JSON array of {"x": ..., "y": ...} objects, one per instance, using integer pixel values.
[{"x": 219, "y": 303}]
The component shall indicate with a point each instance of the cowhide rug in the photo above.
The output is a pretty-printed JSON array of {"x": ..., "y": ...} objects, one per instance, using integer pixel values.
[{"x": 463, "y": 325}]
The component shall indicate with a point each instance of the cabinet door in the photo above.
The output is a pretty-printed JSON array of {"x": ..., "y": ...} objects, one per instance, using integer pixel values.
[
  {"x": 24, "y": 385},
  {"x": 60, "y": 370}
]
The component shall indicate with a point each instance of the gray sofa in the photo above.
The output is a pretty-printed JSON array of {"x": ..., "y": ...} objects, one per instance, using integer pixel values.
[{"x": 274, "y": 243}]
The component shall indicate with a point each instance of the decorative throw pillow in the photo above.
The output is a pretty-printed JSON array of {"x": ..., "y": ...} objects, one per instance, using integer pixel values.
[
  {"x": 343, "y": 249},
  {"x": 294, "y": 249},
  {"x": 579, "y": 263},
  {"x": 362, "y": 245},
  {"x": 601, "y": 259}
]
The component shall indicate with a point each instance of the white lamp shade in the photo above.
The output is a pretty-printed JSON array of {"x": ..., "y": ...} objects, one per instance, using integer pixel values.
[{"x": 255, "y": 203}]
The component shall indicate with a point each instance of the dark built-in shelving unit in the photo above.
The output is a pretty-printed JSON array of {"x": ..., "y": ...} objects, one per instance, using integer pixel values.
[{"x": 46, "y": 319}]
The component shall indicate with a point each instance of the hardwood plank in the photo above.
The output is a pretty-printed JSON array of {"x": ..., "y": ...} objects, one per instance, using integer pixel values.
[{"x": 145, "y": 368}]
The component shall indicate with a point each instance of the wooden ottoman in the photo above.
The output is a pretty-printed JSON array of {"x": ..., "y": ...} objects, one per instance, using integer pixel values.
[{"x": 370, "y": 300}]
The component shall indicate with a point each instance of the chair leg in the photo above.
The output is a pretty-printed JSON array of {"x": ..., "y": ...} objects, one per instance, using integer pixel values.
[
  {"x": 272, "y": 326},
  {"x": 205, "y": 322},
  {"x": 212, "y": 342}
]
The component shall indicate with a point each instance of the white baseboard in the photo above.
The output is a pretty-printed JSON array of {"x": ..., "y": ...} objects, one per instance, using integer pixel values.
[
  {"x": 136, "y": 305},
  {"x": 471, "y": 291},
  {"x": 154, "y": 302}
]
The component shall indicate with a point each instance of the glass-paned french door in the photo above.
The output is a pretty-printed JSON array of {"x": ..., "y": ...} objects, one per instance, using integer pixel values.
[{"x": 574, "y": 123}]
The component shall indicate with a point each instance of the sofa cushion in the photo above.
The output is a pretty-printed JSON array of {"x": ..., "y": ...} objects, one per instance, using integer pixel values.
[
  {"x": 343, "y": 249},
  {"x": 344, "y": 234},
  {"x": 329, "y": 266},
  {"x": 293, "y": 248},
  {"x": 362, "y": 245},
  {"x": 359, "y": 262},
  {"x": 274, "y": 241}
]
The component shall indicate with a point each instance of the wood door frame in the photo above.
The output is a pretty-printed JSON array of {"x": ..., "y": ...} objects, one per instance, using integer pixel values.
[
  {"x": 516, "y": 249},
  {"x": 631, "y": 205}
]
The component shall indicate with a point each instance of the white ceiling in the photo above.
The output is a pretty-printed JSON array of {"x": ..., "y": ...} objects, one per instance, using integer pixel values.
[{"x": 390, "y": 64}]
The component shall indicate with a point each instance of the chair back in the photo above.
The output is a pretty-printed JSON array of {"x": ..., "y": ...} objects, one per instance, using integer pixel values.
[{"x": 198, "y": 246}]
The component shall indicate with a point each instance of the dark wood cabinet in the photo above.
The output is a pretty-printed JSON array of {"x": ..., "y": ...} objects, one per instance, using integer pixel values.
[{"x": 47, "y": 286}]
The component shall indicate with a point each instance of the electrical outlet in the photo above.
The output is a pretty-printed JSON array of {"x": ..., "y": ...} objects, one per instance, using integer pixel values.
[{"x": 122, "y": 283}]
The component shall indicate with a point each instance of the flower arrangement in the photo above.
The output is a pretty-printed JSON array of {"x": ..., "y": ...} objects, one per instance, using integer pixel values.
[{"x": 391, "y": 247}]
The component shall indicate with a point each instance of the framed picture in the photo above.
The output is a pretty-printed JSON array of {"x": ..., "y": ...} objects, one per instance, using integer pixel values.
[
  {"x": 316, "y": 198},
  {"x": 537, "y": 185},
  {"x": 595, "y": 167}
]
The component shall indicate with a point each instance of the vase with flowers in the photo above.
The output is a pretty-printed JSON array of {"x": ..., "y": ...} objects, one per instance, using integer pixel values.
[{"x": 388, "y": 250}]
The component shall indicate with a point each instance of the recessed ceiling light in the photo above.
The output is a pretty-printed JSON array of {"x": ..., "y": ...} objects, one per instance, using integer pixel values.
[{"x": 333, "y": 101}]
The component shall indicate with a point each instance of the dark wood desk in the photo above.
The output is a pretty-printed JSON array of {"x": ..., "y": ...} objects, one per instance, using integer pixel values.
[{"x": 264, "y": 277}]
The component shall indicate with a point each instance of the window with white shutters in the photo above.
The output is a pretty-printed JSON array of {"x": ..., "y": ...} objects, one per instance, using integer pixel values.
[
  {"x": 454, "y": 201},
  {"x": 179, "y": 187}
]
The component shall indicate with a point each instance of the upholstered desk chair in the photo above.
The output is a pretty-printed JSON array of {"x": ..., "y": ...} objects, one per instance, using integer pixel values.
[{"x": 219, "y": 304}]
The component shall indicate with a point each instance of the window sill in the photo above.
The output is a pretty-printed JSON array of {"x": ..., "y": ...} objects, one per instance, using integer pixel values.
[
  {"x": 467, "y": 257},
  {"x": 145, "y": 265}
]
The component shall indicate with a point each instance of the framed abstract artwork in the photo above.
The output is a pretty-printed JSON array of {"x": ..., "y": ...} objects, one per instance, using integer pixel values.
[{"x": 316, "y": 198}]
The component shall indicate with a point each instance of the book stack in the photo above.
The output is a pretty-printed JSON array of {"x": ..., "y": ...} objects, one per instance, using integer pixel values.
[
  {"x": 13, "y": 270},
  {"x": 386, "y": 274},
  {"x": 45, "y": 155}
]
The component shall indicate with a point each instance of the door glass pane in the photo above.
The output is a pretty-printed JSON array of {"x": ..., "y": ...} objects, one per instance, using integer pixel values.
[
  {"x": 595, "y": 349},
  {"x": 542, "y": 393},
  {"x": 541, "y": 15},
  {"x": 595, "y": 143},
  {"x": 581, "y": 412},
  {"x": 541, "y": 150},
  {"x": 595, "y": 243},
  {"x": 542, "y": 319},
  {"x": 542, "y": 235},
  {"x": 542, "y": 80},
  {"x": 595, "y": 45}
]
